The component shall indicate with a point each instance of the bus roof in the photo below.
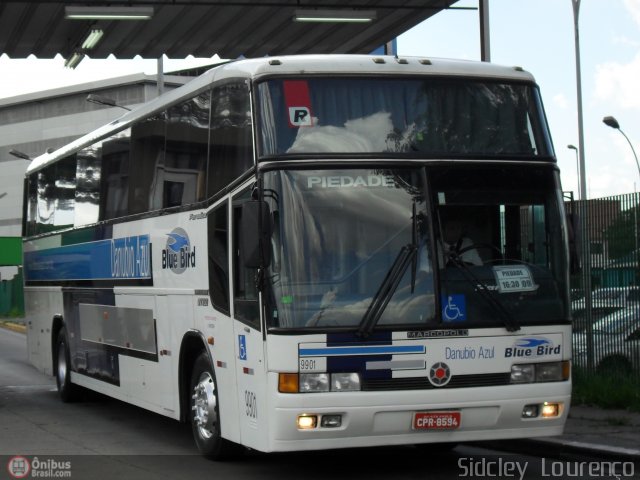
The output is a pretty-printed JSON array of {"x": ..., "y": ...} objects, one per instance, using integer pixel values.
[
  {"x": 371, "y": 64},
  {"x": 293, "y": 65}
]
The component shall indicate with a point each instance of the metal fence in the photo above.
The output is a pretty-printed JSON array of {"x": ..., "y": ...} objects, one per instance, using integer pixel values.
[{"x": 606, "y": 336}]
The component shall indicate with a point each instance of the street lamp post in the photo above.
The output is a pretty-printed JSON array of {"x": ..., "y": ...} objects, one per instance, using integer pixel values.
[
  {"x": 583, "y": 209},
  {"x": 573, "y": 147},
  {"x": 613, "y": 123}
]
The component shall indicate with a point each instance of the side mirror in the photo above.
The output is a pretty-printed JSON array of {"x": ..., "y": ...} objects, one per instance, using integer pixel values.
[{"x": 255, "y": 234}]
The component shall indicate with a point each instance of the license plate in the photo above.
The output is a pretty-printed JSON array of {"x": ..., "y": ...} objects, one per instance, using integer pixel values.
[{"x": 436, "y": 420}]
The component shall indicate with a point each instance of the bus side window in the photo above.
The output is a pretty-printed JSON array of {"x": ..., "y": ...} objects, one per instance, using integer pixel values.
[
  {"x": 114, "y": 159},
  {"x": 88, "y": 173},
  {"x": 231, "y": 146},
  {"x": 32, "y": 205},
  {"x": 218, "y": 237},
  {"x": 245, "y": 293},
  {"x": 179, "y": 176},
  {"x": 147, "y": 148},
  {"x": 56, "y": 190}
]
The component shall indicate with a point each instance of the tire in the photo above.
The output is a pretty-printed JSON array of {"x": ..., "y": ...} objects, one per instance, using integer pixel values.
[
  {"x": 62, "y": 370},
  {"x": 205, "y": 414}
]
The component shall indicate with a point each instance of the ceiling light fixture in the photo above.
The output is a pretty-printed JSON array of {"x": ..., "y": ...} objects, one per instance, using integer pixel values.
[
  {"x": 108, "y": 13},
  {"x": 73, "y": 61},
  {"x": 335, "y": 16},
  {"x": 92, "y": 39},
  {"x": 19, "y": 154}
]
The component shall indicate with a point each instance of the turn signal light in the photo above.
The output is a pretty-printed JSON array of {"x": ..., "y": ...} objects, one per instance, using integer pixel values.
[{"x": 288, "y": 383}]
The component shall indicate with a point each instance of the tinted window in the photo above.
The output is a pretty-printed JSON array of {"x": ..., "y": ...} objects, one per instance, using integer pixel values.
[
  {"x": 231, "y": 150},
  {"x": 147, "y": 148},
  {"x": 56, "y": 186},
  {"x": 401, "y": 116},
  {"x": 245, "y": 294},
  {"x": 181, "y": 178},
  {"x": 218, "y": 237},
  {"x": 88, "y": 186},
  {"x": 114, "y": 152},
  {"x": 32, "y": 204}
]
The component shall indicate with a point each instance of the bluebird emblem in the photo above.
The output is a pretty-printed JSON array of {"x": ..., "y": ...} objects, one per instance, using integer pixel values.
[{"x": 178, "y": 243}]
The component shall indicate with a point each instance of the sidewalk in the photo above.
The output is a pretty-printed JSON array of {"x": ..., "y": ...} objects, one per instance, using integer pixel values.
[
  {"x": 589, "y": 431},
  {"x": 17, "y": 325}
]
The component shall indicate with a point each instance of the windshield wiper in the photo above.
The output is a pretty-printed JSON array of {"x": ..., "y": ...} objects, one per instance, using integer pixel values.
[
  {"x": 387, "y": 289},
  {"x": 484, "y": 292}
]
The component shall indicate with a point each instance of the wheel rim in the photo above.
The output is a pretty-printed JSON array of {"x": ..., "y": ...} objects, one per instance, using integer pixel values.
[
  {"x": 204, "y": 406},
  {"x": 62, "y": 363}
]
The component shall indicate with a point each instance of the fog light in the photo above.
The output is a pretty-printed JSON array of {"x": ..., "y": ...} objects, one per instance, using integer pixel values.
[
  {"x": 307, "y": 422},
  {"x": 550, "y": 410},
  {"x": 530, "y": 411},
  {"x": 331, "y": 421}
]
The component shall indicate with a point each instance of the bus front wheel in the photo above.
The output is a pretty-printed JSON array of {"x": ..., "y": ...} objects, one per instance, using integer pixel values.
[{"x": 205, "y": 413}]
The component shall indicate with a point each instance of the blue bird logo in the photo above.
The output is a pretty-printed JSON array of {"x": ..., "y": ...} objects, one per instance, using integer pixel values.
[
  {"x": 532, "y": 342},
  {"x": 178, "y": 242}
]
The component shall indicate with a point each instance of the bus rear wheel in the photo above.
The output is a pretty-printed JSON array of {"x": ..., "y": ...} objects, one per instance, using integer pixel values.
[
  {"x": 68, "y": 391},
  {"x": 205, "y": 414}
]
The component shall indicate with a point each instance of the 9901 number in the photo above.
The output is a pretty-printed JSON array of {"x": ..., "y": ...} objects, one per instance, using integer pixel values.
[{"x": 307, "y": 364}]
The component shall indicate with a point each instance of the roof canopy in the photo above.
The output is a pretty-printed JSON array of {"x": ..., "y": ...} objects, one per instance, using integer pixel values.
[{"x": 203, "y": 28}]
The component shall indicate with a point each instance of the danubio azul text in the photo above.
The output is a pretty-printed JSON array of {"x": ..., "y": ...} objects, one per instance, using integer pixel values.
[{"x": 130, "y": 257}]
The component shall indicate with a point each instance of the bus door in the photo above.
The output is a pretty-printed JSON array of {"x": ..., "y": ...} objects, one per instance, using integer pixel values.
[{"x": 248, "y": 337}]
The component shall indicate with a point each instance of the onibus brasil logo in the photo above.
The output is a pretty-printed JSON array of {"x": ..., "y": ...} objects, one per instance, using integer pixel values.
[
  {"x": 178, "y": 254},
  {"x": 21, "y": 467}
]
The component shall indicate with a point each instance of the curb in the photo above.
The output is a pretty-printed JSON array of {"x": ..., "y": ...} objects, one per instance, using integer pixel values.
[
  {"x": 14, "y": 327},
  {"x": 557, "y": 446}
]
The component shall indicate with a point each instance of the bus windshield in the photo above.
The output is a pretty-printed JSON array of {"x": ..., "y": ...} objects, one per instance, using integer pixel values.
[
  {"x": 410, "y": 117},
  {"x": 337, "y": 236}
]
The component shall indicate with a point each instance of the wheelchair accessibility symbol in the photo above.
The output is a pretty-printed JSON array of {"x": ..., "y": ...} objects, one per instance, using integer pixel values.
[{"x": 454, "y": 308}]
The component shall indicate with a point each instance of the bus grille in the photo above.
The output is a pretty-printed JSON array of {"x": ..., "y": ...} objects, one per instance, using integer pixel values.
[{"x": 422, "y": 383}]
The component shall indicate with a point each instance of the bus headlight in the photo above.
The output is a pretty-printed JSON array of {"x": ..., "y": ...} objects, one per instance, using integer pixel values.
[
  {"x": 314, "y": 382},
  {"x": 318, "y": 382},
  {"x": 345, "y": 382},
  {"x": 522, "y": 373},
  {"x": 549, "y": 372},
  {"x": 541, "y": 372}
]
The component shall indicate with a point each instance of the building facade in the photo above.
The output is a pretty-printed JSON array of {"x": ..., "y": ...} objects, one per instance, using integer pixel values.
[{"x": 33, "y": 123}]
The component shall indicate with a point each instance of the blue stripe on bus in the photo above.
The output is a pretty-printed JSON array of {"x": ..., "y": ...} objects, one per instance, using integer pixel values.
[
  {"x": 127, "y": 258},
  {"x": 364, "y": 350}
]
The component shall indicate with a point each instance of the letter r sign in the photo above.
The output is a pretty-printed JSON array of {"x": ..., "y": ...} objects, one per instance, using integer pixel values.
[
  {"x": 300, "y": 117},
  {"x": 297, "y": 99}
]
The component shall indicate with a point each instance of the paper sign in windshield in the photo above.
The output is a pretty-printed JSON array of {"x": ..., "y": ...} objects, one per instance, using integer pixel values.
[{"x": 514, "y": 279}]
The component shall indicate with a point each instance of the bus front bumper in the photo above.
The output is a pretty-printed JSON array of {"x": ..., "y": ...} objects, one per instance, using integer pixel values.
[{"x": 388, "y": 418}]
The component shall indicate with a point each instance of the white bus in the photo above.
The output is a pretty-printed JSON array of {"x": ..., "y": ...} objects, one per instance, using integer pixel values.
[{"x": 312, "y": 252}]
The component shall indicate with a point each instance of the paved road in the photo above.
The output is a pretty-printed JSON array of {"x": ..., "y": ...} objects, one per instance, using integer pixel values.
[{"x": 107, "y": 439}]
